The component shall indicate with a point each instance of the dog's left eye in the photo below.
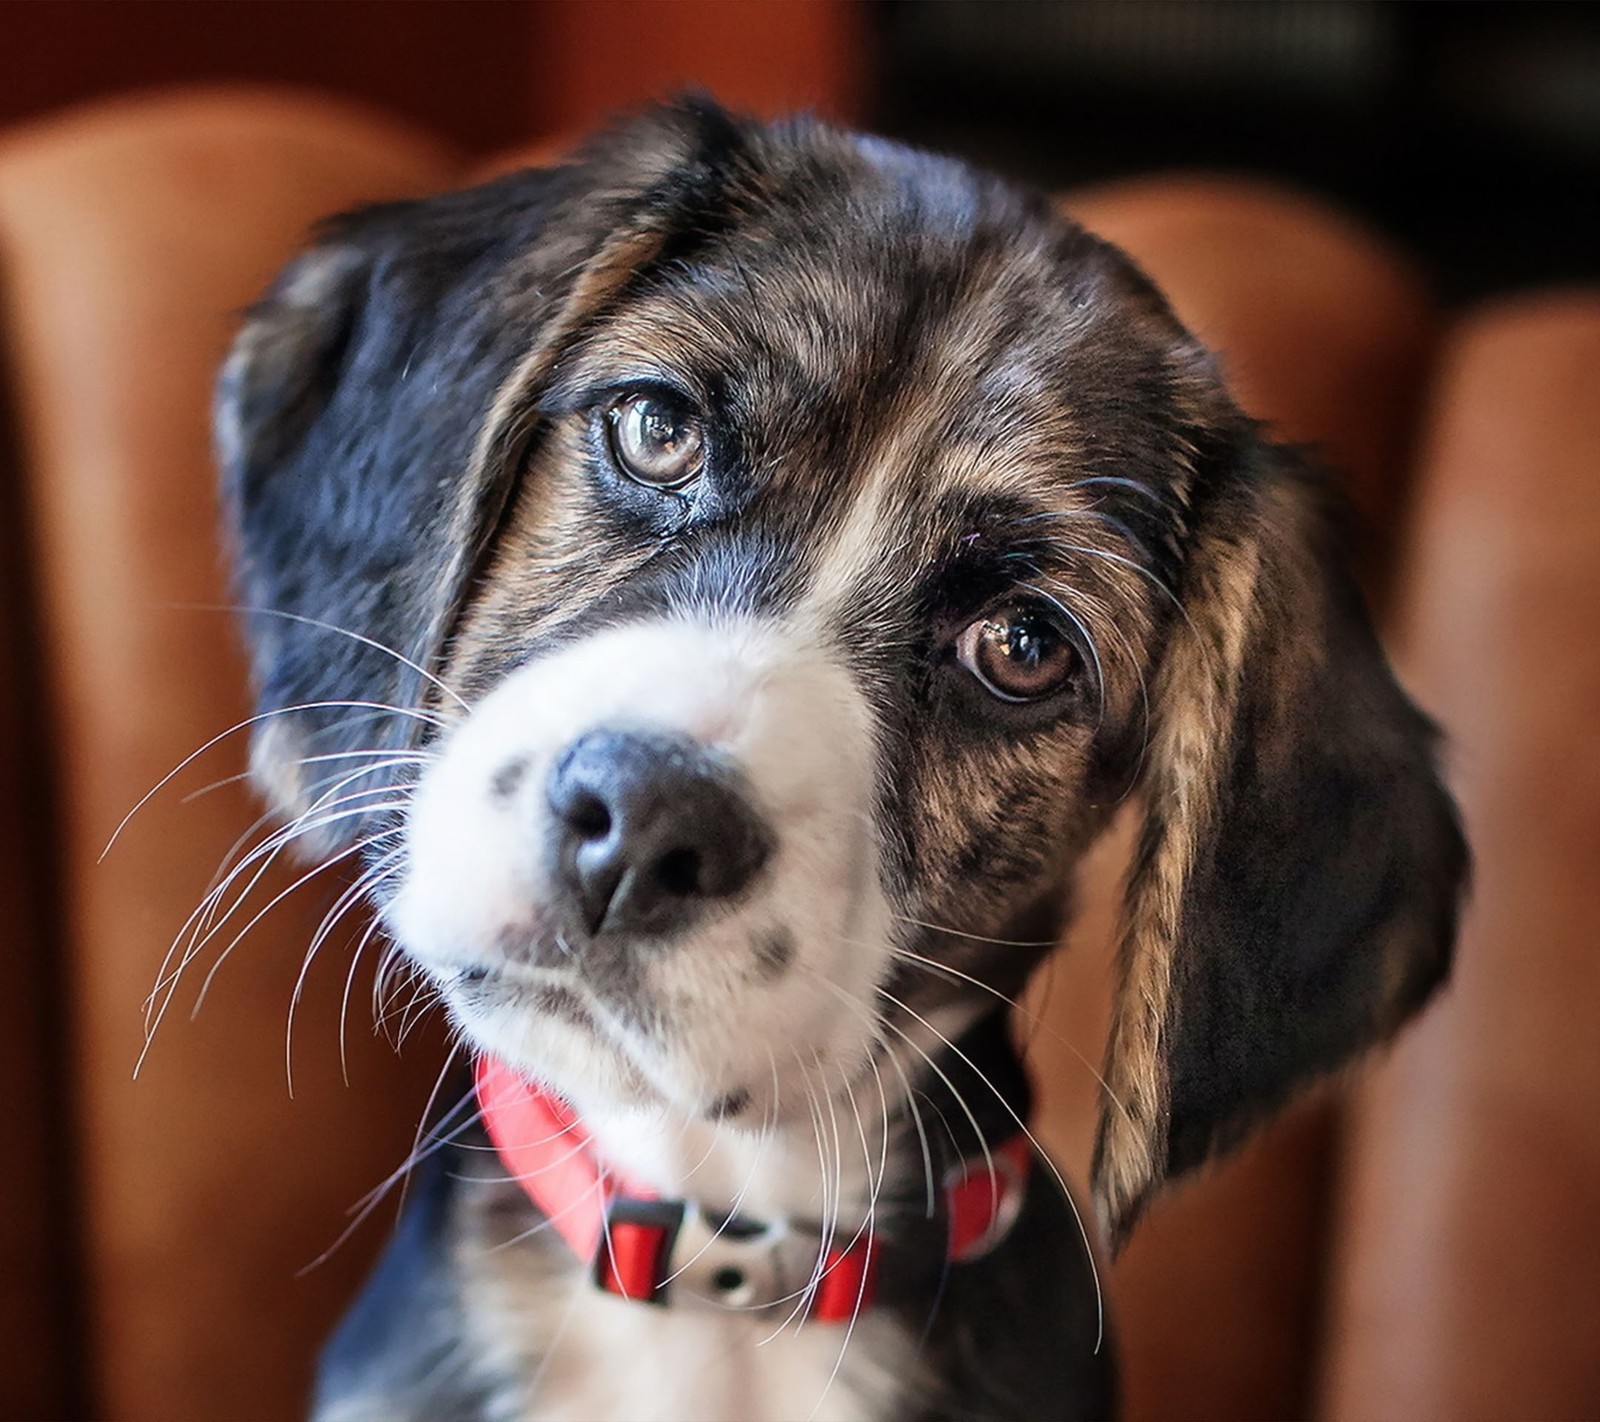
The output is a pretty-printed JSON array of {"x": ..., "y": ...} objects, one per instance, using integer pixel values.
[
  {"x": 656, "y": 440},
  {"x": 1018, "y": 653}
]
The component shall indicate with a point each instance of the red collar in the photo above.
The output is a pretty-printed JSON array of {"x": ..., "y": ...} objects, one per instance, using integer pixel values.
[{"x": 640, "y": 1246}]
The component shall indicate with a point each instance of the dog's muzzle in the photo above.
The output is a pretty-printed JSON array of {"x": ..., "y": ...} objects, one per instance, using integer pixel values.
[{"x": 645, "y": 866}]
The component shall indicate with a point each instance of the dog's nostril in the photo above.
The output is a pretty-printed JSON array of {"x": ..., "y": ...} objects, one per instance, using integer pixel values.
[
  {"x": 678, "y": 872},
  {"x": 589, "y": 816}
]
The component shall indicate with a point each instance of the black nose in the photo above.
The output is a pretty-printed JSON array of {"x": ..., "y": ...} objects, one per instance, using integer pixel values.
[{"x": 648, "y": 831}]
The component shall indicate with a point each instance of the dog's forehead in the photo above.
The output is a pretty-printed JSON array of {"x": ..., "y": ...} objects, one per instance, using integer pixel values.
[
  {"x": 921, "y": 393},
  {"x": 915, "y": 322}
]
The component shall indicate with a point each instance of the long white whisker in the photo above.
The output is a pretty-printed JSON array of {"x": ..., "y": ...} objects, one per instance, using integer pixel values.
[
  {"x": 732, "y": 1211},
  {"x": 803, "y": 1295},
  {"x": 875, "y": 1186},
  {"x": 1010, "y": 1110},
  {"x": 373, "y": 928},
  {"x": 1035, "y": 1020},
  {"x": 353, "y": 894},
  {"x": 319, "y": 816},
  {"x": 976, "y": 937},
  {"x": 272, "y": 903},
  {"x": 202, "y": 924},
  {"x": 245, "y": 724},
  {"x": 371, "y": 1200},
  {"x": 382, "y": 760},
  {"x": 340, "y": 631},
  {"x": 199, "y": 922}
]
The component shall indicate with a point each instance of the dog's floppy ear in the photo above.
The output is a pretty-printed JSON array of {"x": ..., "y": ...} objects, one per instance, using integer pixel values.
[
  {"x": 372, "y": 413},
  {"x": 1295, "y": 893}
]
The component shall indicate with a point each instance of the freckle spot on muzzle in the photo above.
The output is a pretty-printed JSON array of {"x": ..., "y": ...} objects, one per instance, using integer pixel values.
[
  {"x": 560, "y": 1003},
  {"x": 724, "y": 1108},
  {"x": 774, "y": 952},
  {"x": 505, "y": 782}
]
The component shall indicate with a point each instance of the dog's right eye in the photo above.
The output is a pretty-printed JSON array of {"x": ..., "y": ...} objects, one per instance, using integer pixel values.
[
  {"x": 656, "y": 440},
  {"x": 1018, "y": 653}
]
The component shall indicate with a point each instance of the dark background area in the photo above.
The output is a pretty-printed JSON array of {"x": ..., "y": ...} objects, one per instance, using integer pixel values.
[
  {"x": 462, "y": 69},
  {"x": 1470, "y": 131}
]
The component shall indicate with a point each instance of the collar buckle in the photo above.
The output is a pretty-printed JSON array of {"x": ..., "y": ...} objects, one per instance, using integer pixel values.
[{"x": 673, "y": 1251}]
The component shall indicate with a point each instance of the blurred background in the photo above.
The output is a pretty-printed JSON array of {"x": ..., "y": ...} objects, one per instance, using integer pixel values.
[
  {"x": 158, "y": 158},
  {"x": 1471, "y": 131}
]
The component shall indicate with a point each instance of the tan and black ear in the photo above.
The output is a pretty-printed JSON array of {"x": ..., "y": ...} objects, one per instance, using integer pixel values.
[
  {"x": 1295, "y": 893},
  {"x": 372, "y": 413}
]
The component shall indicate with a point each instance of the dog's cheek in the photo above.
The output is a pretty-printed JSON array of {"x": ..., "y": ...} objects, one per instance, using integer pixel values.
[
  {"x": 990, "y": 822},
  {"x": 563, "y": 553}
]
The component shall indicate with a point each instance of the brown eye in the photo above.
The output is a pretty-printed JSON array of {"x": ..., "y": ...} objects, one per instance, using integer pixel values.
[
  {"x": 656, "y": 441},
  {"x": 1018, "y": 653}
]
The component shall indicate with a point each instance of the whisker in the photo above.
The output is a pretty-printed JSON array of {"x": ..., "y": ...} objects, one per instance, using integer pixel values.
[
  {"x": 767, "y": 1122},
  {"x": 276, "y": 899},
  {"x": 353, "y": 894},
  {"x": 364, "y": 1207},
  {"x": 1132, "y": 566},
  {"x": 202, "y": 920},
  {"x": 975, "y": 937},
  {"x": 875, "y": 1185},
  {"x": 340, "y": 631},
  {"x": 373, "y": 928},
  {"x": 382, "y": 760},
  {"x": 1083, "y": 1233},
  {"x": 1132, "y": 485},
  {"x": 245, "y": 724},
  {"x": 1035, "y": 1020}
]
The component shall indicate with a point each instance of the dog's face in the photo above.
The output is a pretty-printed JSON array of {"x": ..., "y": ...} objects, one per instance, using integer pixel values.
[{"x": 794, "y": 549}]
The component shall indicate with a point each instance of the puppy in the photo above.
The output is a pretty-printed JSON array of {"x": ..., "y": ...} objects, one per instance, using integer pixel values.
[{"x": 720, "y": 586}]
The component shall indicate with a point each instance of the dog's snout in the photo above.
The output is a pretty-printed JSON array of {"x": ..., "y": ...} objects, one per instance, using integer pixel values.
[{"x": 649, "y": 830}]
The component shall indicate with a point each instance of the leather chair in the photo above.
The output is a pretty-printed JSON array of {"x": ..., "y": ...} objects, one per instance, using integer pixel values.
[{"x": 1420, "y": 1244}]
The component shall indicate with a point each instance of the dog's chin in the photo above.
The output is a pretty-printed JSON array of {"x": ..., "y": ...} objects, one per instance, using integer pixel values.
[{"x": 609, "y": 1057}]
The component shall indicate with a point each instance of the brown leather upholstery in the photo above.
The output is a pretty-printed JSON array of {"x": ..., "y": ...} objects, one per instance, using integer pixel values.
[
  {"x": 1468, "y": 1269},
  {"x": 36, "y": 1202},
  {"x": 127, "y": 237}
]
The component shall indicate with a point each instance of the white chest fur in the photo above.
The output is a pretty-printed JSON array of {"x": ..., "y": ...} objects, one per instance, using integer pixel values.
[{"x": 615, "y": 1359}]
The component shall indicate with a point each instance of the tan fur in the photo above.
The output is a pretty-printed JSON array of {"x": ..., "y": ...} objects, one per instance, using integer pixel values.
[{"x": 1198, "y": 685}]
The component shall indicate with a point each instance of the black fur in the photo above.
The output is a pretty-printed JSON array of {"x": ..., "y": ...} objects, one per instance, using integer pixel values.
[{"x": 349, "y": 415}]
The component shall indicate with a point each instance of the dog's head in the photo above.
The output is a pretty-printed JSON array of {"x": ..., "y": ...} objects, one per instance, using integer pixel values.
[{"x": 725, "y": 581}]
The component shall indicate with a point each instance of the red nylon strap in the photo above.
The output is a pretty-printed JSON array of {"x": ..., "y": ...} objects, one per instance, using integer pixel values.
[
  {"x": 633, "y": 1261},
  {"x": 627, "y": 1234},
  {"x": 848, "y": 1284},
  {"x": 982, "y": 1198},
  {"x": 547, "y": 1151}
]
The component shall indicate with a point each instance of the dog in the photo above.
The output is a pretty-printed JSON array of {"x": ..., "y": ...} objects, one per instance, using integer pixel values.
[{"x": 719, "y": 586}]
